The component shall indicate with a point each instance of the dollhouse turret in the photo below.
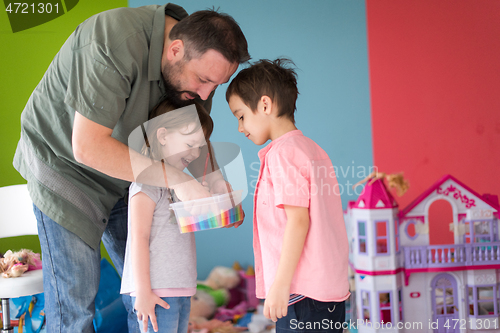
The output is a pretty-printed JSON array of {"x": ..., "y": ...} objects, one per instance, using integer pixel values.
[
  {"x": 376, "y": 256},
  {"x": 375, "y": 217}
]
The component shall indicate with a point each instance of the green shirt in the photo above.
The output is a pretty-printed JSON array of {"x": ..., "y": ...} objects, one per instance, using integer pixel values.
[{"x": 109, "y": 70}]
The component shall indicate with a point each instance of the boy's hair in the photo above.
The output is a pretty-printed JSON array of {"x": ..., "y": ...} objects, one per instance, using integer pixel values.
[
  {"x": 162, "y": 116},
  {"x": 208, "y": 29},
  {"x": 271, "y": 78}
]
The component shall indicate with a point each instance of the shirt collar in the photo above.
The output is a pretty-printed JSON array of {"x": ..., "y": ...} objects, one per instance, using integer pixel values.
[{"x": 285, "y": 136}]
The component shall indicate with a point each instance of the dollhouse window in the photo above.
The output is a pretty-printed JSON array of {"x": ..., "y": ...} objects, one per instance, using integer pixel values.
[
  {"x": 483, "y": 301},
  {"x": 365, "y": 305},
  {"x": 479, "y": 231},
  {"x": 385, "y": 306},
  {"x": 382, "y": 237},
  {"x": 362, "y": 236},
  {"x": 410, "y": 229}
]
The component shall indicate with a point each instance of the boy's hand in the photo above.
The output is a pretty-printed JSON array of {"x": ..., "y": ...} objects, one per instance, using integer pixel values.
[
  {"x": 276, "y": 304},
  {"x": 145, "y": 308}
]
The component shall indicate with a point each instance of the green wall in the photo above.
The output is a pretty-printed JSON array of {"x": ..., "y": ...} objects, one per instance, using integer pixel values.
[{"x": 25, "y": 56}]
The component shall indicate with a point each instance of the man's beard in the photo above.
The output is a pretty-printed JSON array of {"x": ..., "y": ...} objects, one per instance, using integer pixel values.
[{"x": 172, "y": 93}]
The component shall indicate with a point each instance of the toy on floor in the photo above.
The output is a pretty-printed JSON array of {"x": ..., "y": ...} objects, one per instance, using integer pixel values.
[
  {"x": 212, "y": 293},
  {"x": 27, "y": 314},
  {"x": 259, "y": 322},
  {"x": 223, "y": 298},
  {"x": 245, "y": 290},
  {"x": 14, "y": 264}
]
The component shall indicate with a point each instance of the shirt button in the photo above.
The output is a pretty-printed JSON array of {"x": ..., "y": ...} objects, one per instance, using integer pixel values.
[
  {"x": 264, "y": 203},
  {"x": 103, "y": 220}
]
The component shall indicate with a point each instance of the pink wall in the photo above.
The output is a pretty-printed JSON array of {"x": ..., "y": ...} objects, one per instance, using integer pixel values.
[{"x": 435, "y": 91}]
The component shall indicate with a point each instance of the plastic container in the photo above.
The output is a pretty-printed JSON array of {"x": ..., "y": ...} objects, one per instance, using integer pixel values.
[{"x": 208, "y": 213}]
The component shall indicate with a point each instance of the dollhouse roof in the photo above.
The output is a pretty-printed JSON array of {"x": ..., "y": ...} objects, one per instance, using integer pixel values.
[
  {"x": 489, "y": 199},
  {"x": 375, "y": 196}
]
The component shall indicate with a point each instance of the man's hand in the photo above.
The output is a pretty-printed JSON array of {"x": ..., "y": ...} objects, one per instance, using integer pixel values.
[
  {"x": 145, "y": 308},
  {"x": 276, "y": 304}
]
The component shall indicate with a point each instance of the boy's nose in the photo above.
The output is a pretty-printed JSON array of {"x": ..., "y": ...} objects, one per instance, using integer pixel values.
[{"x": 240, "y": 128}]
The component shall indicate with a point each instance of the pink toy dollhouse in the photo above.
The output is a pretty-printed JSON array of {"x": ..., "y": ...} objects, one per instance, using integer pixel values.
[{"x": 431, "y": 267}]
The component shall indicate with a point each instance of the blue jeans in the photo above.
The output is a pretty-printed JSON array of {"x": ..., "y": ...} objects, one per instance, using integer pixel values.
[
  {"x": 173, "y": 320},
  {"x": 71, "y": 272},
  {"x": 309, "y": 315}
]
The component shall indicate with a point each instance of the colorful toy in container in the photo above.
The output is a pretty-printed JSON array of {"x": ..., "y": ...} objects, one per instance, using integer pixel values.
[{"x": 208, "y": 213}]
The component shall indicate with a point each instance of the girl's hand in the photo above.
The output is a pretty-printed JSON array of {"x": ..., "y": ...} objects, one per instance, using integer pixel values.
[
  {"x": 276, "y": 304},
  {"x": 205, "y": 185},
  {"x": 145, "y": 308},
  {"x": 220, "y": 186}
]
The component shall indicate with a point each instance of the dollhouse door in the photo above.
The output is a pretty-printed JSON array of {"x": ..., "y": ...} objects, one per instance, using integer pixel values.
[{"x": 445, "y": 303}]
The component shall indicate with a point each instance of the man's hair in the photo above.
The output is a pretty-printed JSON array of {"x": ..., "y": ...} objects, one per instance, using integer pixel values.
[
  {"x": 275, "y": 79},
  {"x": 208, "y": 29}
]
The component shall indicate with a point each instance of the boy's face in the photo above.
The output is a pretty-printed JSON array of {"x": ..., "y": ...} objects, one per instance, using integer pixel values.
[{"x": 255, "y": 125}]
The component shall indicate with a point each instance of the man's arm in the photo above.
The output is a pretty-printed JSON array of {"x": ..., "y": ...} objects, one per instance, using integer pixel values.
[
  {"x": 94, "y": 146},
  {"x": 297, "y": 226}
]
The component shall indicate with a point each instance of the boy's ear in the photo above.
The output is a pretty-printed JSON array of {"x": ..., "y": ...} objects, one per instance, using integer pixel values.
[
  {"x": 161, "y": 135},
  {"x": 266, "y": 104},
  {"x": 175, "y": 51}
]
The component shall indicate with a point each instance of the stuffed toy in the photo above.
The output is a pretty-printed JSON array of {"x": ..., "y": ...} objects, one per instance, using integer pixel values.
[
  {"x": 14, "y": 264},
  {"x": 222, "y": 278},
  {"x": 211, "y": 294}
]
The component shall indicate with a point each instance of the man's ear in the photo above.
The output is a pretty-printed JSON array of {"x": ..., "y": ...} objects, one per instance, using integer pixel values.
[
  {"x": 266, "y": 104},
  {"x": 175, "y": 51},
  {"x": 161, "y": 135}
]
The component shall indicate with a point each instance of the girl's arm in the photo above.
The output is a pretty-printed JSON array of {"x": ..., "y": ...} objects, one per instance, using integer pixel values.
[
  {"x": 297, "y": 226},
  {"x": 141, "y": 211}
]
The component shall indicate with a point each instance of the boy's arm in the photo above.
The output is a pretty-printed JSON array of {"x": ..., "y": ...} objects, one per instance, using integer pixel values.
[
  {"x": 297, "y": 226},
  {"x": 141, "y": 210}
]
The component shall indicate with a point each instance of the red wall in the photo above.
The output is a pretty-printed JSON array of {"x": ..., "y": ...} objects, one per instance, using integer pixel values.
[{"x": 435, "y": 91}]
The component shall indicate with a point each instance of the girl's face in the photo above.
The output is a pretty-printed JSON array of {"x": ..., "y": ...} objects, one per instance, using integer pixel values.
[{"x": 180, "y": 148}]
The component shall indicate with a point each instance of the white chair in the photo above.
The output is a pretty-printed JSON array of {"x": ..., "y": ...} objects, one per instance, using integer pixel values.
[{"x": 17, "y": 219}]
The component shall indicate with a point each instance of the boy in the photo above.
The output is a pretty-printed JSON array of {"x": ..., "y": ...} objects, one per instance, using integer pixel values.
[{"x": 300, "y": 242}]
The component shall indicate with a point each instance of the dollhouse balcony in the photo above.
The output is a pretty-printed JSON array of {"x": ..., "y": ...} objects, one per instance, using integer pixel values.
[{"x": 453, "y": 255}]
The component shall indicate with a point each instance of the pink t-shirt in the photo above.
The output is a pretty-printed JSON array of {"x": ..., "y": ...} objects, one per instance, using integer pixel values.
[{"x": 295, "y": 171}]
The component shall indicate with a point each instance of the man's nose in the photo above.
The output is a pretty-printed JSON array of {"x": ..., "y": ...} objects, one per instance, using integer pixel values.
[{"x": 205, "y": 90}]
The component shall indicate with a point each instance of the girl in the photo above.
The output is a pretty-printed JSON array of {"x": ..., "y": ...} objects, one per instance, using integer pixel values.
[{"x": 160, "y": 262}]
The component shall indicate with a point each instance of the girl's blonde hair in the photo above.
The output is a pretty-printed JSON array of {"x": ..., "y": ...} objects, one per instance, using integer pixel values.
[{"x": 162, "y": 116}]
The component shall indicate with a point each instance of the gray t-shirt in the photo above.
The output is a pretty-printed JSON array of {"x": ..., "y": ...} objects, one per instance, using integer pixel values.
[{"x": 172, "y": 255}]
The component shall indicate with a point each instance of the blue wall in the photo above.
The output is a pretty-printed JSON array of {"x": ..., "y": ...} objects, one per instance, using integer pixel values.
[{"x": 327, "y": 41}]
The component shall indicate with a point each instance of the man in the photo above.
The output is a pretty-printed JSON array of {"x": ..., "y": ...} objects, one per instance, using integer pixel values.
[{"x": 101, "y": 85}]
